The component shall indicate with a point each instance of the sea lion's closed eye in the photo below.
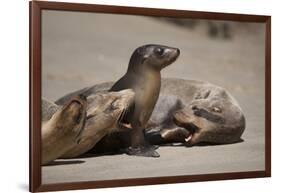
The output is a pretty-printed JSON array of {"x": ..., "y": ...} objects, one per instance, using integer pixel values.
[{"x": 217, "y": 109}]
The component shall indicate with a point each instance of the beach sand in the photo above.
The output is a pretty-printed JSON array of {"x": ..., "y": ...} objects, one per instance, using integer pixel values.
[{"x": 83, "y": 49}]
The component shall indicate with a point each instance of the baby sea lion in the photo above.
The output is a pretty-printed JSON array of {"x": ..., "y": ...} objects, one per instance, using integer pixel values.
[
  {"x": 61, "y": 127},
  {"x": 143, "y": 76}
]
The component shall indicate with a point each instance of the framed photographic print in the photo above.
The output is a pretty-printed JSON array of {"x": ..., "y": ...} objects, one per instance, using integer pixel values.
[{"x": 123, "y": 96}]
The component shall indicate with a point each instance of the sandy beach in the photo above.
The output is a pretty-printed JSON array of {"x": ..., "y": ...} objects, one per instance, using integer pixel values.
[{"x": 84, "y": 49}]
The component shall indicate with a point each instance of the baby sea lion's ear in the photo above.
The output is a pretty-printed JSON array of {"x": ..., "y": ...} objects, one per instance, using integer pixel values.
[
  {"x": 143, "y": 58},
  {"x": 142, "y": 54},
  {"x": 140, "y": 51}
]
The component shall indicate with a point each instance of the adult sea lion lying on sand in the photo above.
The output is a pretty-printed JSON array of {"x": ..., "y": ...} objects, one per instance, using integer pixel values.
[
  {"x": 61, "y": 127},
  {"x": 66, "y": 130},
  {"x": 104, "y": 113},
  {"x": 187, "y": 111}
]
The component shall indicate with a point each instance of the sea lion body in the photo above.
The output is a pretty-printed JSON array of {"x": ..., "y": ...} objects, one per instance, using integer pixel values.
[
  {"x": 209, "y": 113},
  {"x": 103, "y": 115},
  {"x": 143, "y": 76},
  {"x": 78, "y": 124},
  {"x": 146, "y": 85}
]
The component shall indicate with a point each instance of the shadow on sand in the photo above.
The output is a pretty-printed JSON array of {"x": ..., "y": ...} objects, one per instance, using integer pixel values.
[{"x": 65, "y": 162}]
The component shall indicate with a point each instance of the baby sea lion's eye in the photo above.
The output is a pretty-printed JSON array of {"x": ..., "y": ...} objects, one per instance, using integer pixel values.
[
  {"x": 216, "y": 109},
  {"x": 159, "y": 51}
]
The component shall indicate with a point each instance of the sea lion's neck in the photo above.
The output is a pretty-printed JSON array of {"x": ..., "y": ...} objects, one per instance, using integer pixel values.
[
  {"x": 147, "y": 75},
  {"x": 143, "y": 70}
]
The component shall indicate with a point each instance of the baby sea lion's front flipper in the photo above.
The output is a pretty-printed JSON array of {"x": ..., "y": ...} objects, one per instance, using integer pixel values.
[
  {"x": 144, "y": 151},
  {"x": 139, "y": 145}
]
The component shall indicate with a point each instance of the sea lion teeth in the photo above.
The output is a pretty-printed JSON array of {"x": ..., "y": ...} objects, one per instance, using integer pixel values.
[
  {"x": 188, "y": 138},
  {"x": 126, "y": 125}
]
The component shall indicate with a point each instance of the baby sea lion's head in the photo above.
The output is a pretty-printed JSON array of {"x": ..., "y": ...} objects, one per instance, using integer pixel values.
[
  {"x": 216, "y": 121},
  {"x": 153, "y": 56}
]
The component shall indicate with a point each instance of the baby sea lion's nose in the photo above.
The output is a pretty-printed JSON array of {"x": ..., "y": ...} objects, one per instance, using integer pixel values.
[{"x": 178, "y": 51}]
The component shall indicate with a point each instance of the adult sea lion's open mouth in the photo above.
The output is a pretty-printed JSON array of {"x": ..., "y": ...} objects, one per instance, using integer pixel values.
[
  {"x": 176, "y": 135},
  {"x": 192, "y": 128},
  {"x": 183, "y": 120}
]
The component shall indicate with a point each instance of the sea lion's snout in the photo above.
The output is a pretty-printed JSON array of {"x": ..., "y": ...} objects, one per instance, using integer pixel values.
[
  {"x": 181, "y": 118},
  {"x": 185, "y": 119},
  {"x": 111, "y": 104},
  {"x": 176, "y": 52},
  {"x": 170, "y": 56}
]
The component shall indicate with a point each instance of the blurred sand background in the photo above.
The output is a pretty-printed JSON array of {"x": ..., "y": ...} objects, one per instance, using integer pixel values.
[{"x": 83, "y": 49}]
